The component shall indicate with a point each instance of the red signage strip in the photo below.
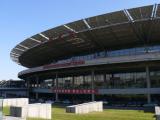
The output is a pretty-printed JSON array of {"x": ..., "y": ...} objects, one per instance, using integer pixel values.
[
  {"x": 66, "y": 64},
  {"x": 75, "y": 91}
]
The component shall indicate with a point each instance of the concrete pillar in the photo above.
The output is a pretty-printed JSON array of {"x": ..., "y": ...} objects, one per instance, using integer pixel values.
[
  {"x": 84, "y": 81},
  {"x": 28, "y": 87},
  {"x": 105, "y": 81},
  {"x": 37, "y": 96},
  {"x": 92, "y": 84},
  {"x": 56, "y": 86},
  {"x": 37, "y": 81},
  {"x": 5, "y": 95},
  {"x": 112, "y": 81},
  {"x": 148, "y": 84},
  {"x": 73, "y": 81},
  {"x": 52, "y": 83}
]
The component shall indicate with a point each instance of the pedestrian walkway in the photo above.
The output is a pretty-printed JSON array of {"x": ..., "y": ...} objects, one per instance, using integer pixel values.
[{"x": 12, "y": 118}]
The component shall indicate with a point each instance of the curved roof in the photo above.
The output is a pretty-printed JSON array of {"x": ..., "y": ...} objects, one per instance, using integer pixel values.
[{"x": 125, "y": 28}]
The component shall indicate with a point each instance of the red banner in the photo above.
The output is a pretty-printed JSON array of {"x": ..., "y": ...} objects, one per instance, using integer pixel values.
[
  {"x": 75, "y": 91},
  {"x": 66, "y": 64}
]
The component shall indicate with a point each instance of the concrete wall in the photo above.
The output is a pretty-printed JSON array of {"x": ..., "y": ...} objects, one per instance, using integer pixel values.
[
  {"x": 85, "y": 108},
  {"x": 157, "y": 112},
  {"x": 15, "y": 102},
  {"x": 39, "y": 110}
]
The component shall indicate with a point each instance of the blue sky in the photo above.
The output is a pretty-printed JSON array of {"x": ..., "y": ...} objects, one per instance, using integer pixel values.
[{"x": 20, "y": 19}]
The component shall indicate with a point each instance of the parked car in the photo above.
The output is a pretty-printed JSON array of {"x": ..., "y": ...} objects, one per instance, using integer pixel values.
[
  {"x": 32, "y": 100},
  {"x": 150, "y": 105},
  {"x": 49, "y": 101},
  {"x": 66, "y": 102},
  {"x": 105, "y": 102},
  {"x": 41, "y": 101}
]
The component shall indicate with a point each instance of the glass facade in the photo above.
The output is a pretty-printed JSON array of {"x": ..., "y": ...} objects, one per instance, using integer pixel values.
[
  {"x": 106, "y": 81},
  {"x": 65, "y": 82},
  {"x": 115, "y": 53},
  {"x": 45, "y": 83},
  {"x": 155, "y": 79},
  {"x": 127, "y": 80}
]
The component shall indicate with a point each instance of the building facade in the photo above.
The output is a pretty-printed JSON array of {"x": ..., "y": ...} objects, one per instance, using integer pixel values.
[{"x": 113, "y": 57}]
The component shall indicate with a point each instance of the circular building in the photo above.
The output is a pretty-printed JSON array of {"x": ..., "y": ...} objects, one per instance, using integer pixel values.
[{"x": 113, "y": 57}]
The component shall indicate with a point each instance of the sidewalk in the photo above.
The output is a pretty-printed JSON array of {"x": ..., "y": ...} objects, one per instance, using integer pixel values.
[{"x": 12, "y": 118}]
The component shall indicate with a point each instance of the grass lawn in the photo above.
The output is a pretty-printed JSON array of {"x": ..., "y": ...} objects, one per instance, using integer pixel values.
[{"x": 110, "y": 114}]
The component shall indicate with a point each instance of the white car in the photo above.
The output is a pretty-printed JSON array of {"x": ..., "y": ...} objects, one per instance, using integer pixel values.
[
  {"x": 41, "y": 100},
  {"x": 49, "y": 101},
  {"x": 105, "y": 102},
  {"x": 66, "y": 102}
]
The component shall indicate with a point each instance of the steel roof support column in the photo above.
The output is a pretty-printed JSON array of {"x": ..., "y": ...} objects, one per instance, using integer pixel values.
[
  {"x": 56, "y": 87},
  {"x": 92, "y": 85},
  {"x": 151, "y": 24},
  {"x": 148, "y": 84},
  {"x": 134, "y": 28}
]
